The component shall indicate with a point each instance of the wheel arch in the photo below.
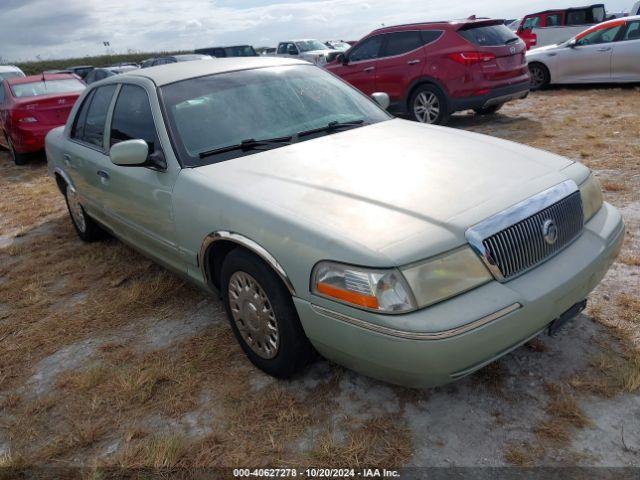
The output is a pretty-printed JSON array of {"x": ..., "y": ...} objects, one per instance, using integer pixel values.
[
  {"x": 62, "y": 180},
  {"x": 420, "y": 82},
  {"x": 545, "y": 65},
  {"x": 217, "y": 245}
]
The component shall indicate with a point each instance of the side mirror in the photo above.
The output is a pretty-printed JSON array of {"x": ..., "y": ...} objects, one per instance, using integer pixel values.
[
  {"x": 573, "y": 43},
  {"x": 381, "y": 99},
  {"x": 131, "y": 153},
  {"x": 340, "y": 58}
]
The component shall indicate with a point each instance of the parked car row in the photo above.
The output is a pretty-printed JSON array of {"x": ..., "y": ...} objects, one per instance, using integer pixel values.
[
  {"x": 412, "y": 254},
  {"x": 427, "y": 70}
]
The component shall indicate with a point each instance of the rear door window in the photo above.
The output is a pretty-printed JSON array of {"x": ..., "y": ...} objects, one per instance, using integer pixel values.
[
  {"x": 531, "y": 22},
  {"x": 367, "y": 50},
  {"x": 132, "y": 117},
  {"x": 400, "y": 43},
  {"x": 599, "y": 35},
  {"x": 577, "y": 18},
  {"x": 553, "y": 20},
  {"x": 633, "y": 31},
  {"x": 97, "y": 115},
  {"x": 488, "y": 35},
  {"x": 77, "y": 130}
]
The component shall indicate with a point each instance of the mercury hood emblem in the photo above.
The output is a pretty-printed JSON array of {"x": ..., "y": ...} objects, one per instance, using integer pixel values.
[{"x": 550, "y": 231}]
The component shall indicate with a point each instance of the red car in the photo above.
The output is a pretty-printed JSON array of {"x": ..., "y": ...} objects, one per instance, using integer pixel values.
[
  {"x": 31, "y": 106},
  {"x": 431, "y": 70}
]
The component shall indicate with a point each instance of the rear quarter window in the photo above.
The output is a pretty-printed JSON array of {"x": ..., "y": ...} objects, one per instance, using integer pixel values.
[{"x": 487, "y": 36}]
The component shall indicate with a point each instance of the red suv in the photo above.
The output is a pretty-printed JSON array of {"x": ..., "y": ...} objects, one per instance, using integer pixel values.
[{"x": 431, "y": 70}]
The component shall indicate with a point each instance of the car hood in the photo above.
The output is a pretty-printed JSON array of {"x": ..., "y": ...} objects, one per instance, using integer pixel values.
[
  {"x": 541, "y": 50},
  {"x": 400, "y": 189}
]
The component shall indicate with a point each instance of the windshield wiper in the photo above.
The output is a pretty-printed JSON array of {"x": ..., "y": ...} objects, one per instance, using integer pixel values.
[
  {"x": 246, "y": 145},
  {"x": 331, "y": 127}
]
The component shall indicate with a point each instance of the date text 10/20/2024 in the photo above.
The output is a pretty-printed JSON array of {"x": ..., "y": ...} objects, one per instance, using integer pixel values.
[{"x": 316, "y": 472}]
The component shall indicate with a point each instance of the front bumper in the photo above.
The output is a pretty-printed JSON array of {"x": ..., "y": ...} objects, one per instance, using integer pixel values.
[
  {"x": 495, "y": 97},
  {"x": 454, "y": 338}
]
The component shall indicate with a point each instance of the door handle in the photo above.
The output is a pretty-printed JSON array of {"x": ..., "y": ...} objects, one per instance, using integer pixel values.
[
  {"x": 413, "y": 62},
  {"x": 67, "y": 158},
  {"x": 369, "y": 69},
  {"x": 604, "y": 49},
  {"x": 103, "y": 174}
]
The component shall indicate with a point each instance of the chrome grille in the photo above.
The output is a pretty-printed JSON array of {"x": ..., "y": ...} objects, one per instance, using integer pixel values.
[
  {"x": 522, "y": 245},
  {"x": 512, "y": 241}
]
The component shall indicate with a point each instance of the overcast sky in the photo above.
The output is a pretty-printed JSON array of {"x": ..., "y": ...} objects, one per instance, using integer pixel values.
[{"x": 75, "y": 28}]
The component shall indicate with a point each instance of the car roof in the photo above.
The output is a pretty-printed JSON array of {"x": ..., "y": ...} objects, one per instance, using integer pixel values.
[
  {"x": 166, "y": 74},
  {"x": 569, "y": 9},
  {"x": 441, "y": 25},
  {"x": 39, "y": 77},
  {"x": 9, "y": 68}
]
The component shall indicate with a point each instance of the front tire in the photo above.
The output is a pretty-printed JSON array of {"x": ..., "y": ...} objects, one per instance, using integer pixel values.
[
  {"x": 87, "y": 229},
  {"x": 540, "y": 76},
  {"x": 428, "y": 104},
  {"x": 262, "y": 316}
]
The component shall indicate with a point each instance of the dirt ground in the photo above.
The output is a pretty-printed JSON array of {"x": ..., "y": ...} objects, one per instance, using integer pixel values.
[{"x": 107, "y": 360}]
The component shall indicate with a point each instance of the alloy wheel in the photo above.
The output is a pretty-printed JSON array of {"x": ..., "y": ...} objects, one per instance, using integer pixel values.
[
  {"x": 77, "y": 213},
  {"x": 253, "y": 315},
  {"x": 426, "y": 107},
  {"x": 537, "y": 77}
]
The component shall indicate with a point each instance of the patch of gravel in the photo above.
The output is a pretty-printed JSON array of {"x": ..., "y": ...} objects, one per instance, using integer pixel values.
[
  {"x": 614, "y": 438},
  {"x": 468, "y": 423}
]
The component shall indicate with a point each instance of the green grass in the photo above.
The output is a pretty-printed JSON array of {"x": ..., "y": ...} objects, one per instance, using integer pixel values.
[{"x": 33, "y": 68}]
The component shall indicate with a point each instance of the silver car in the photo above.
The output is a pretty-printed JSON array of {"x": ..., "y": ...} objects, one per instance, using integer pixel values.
[
  {"x": 607, "y": 52},
  {"x": 313, "y": 51},
  {"x": 411, "y": 253}
]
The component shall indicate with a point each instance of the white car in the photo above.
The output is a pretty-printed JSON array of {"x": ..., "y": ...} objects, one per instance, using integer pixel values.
[
  {"x": 10, "y": 71},
  {"x": 607, "y": 52},
  {"x": 313, "y": 51}
]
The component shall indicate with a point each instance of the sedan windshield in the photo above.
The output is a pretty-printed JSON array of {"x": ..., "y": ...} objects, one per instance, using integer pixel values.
[
  {"x": 210, "y": 117},
  {"x": 48, "y": 87},
  {"x": 311, "y": 45}
]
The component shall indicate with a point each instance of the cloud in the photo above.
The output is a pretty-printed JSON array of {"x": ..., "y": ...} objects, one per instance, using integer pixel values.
[{"x": 72, "y": 28}]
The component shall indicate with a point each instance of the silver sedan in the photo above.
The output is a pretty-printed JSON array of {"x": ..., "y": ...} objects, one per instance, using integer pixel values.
[{"x": 607, "y": 52}]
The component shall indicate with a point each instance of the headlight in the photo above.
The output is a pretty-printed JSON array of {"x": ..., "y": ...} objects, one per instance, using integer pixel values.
[
  {"x": 445, "y": 276},
  {"x": 382, "y": 290},
  {"x": 591, "y": 195}
]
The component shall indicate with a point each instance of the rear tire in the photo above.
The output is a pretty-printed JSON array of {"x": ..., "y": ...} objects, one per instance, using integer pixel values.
[
  {"x": 18, "y": 158},
  {"x": 428, "y": 104},
  {"x": 87, "y": 229},
  {"x": 262, "y": 316},
  {"x": 540, "y": 76},
  {"x": 488, "y": 110}
]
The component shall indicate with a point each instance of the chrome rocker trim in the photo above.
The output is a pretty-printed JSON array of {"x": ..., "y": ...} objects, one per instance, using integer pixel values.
[
  {"x": 247, "y": 243},
  {"x": 417, "y": 335}
]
